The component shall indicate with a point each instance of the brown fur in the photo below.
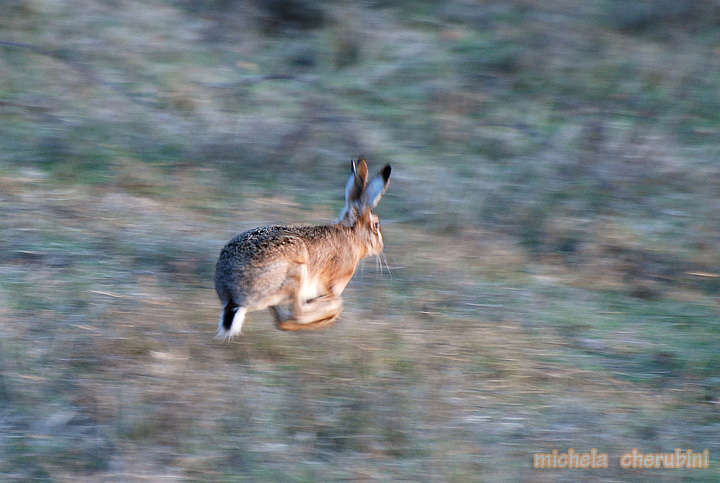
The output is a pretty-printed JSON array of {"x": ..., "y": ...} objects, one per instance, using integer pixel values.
[{"x": 307, "y": 266}]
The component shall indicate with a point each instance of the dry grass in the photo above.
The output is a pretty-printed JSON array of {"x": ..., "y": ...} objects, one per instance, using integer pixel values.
[{"x": 551, "y": 230}]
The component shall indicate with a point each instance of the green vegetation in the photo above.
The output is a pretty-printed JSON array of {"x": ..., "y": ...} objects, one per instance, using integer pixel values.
[{"x": 552, "y": 229}]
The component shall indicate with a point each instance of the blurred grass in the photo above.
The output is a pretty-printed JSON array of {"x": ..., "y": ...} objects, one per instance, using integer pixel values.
[{"x": 552, "y": 229}]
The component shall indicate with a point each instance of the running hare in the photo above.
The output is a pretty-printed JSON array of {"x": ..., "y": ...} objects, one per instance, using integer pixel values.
[{"x": 307, "y": 266}]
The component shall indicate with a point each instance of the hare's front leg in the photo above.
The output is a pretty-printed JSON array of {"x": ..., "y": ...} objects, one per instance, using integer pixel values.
[{"x": 319, "y": 313}]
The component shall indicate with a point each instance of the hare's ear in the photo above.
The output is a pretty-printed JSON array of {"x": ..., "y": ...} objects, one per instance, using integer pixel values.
[
  {"x": 353, "y": 191},
  {"x": 375, "y": 189},
  {"x": 355, "y": 183}
]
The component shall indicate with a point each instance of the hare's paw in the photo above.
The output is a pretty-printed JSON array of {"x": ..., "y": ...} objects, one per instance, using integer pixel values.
[
  {"x": 293, "y": 325},
  {"x": 319, "y": 313}
]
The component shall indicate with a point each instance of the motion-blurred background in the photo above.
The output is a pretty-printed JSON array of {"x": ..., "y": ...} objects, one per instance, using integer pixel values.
[{"x": 552, "y": 230}]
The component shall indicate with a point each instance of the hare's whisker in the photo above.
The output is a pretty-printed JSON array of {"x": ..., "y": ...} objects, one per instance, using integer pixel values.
[{"x": 384, "y": 260}]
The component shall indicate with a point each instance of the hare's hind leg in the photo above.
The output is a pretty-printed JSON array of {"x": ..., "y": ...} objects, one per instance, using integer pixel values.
[{"x": 319, "y": 313}]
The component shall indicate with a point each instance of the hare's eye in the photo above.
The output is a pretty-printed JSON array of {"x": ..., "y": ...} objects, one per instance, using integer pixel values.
[{"x": 376, "y": 225}]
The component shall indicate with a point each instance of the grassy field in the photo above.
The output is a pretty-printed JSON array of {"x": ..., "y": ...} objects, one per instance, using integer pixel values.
[{"x": 552, "y": 229}]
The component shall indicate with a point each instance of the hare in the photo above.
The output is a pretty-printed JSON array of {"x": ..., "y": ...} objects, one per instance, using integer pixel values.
[{"x": 307, "y": 266}]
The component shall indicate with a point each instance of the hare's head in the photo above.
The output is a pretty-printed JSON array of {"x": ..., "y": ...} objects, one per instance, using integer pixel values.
[{"x": 361, "y": 196}]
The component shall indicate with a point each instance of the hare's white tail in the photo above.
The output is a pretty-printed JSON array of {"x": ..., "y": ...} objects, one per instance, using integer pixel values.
[{"x": 231, "y": 321}]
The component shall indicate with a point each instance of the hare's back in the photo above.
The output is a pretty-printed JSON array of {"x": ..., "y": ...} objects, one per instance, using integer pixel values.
[{"x": 264, "y": 245}]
